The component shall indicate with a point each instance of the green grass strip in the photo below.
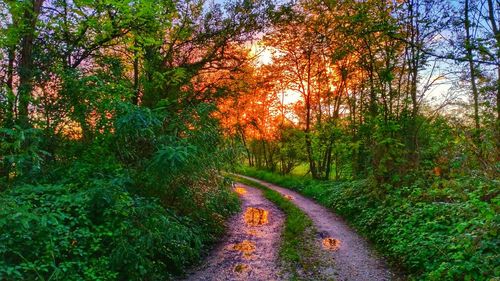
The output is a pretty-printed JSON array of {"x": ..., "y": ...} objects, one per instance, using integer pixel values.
[{"x": 295, "y": 249}]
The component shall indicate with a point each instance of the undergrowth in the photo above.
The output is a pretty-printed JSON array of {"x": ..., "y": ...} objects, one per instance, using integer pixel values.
[{"x": 137, "y": 204}]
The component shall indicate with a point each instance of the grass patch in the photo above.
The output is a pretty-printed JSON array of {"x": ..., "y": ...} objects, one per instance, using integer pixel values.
[
  {"x": 298, "y": 234},
  {"x": 301, "y": 170}
]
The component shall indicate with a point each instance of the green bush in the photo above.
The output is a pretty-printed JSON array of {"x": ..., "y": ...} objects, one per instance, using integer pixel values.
[
  {"x": 139, "y": 204},
  {"x": 442, "y": 231},
  {"x": 58, "y": 232}
]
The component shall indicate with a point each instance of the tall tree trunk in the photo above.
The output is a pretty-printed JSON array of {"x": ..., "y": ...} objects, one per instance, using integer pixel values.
[
  {"x": 496, "y": 33},
  {"x": 472, "y": 69},
  {"x": 243, "y": 139},
  {"x": 135, "y": 98},
  {"x": 10, "y": 87},
  {"x": 328, "y": 160},
  {"x": 413, "y": 67},
  {"x": 25, "y": 67},
  {"x": 310, "y": 155},
  {"x": 5, "y": 165},
  {"x": 264, "y": 152}
]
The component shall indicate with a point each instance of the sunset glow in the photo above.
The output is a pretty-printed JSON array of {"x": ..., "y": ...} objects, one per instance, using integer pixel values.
[
  {"x": 289, "y": 96},
  {"x": 261, "y": 54}
]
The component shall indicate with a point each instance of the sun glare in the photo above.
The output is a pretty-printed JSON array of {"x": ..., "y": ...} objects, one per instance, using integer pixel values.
[
  {"x": 289, "y": 96},
  {"x": 262, "y": 54}
]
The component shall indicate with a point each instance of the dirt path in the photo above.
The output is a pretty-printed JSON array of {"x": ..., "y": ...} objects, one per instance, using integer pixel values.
[
  {"x": 353, "y": 259},
  {"x": 250, "y": 249}
]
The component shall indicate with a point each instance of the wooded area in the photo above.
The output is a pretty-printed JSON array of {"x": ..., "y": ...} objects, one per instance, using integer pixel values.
[
  {"x": 365, "y": 74},
  {"x": 118, "y": 118}
]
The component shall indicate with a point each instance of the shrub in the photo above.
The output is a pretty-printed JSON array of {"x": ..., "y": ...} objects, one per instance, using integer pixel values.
[{"x": 59, "y": 232}]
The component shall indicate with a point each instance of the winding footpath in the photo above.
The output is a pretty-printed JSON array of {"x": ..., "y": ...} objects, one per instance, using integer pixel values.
[
  {"x": 250, "y": 249},
  {"x": 353, "y": 258}
]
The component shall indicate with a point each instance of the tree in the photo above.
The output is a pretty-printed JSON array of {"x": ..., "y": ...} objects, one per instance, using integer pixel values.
[{"x": 25, "y": 14}]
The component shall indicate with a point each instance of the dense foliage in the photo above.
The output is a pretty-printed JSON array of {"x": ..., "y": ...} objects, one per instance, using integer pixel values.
[
  {"x": 442, "y": 231},
  {"x": 117, "y": 118},
  {"x": 122, "y": 208},
  {"x": 110, "y": 155},
  {"x": 58, "y": 232}
]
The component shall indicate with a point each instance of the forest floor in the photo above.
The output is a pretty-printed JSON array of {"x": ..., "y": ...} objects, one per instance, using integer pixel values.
[{"x": 250, "y": 249}]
